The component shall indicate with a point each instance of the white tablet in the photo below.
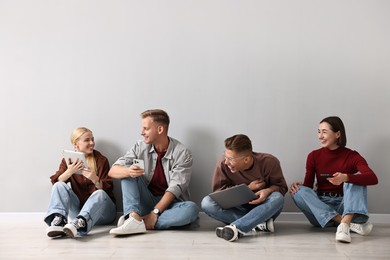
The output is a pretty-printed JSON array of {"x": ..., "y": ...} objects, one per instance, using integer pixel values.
[{"x": 73, "y": 156}]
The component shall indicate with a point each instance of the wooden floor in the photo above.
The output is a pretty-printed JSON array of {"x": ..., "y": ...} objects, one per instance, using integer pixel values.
[{"x": 23, "y": 237}]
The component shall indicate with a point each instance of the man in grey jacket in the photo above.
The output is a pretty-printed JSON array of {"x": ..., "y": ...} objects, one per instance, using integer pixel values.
[{"x": 156, "y": 196}]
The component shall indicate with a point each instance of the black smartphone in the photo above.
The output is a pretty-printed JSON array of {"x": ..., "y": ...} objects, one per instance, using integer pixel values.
[{"x": 326, "y": 175}]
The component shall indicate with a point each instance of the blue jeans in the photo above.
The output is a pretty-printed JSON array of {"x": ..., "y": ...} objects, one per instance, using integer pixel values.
[
  {"x": 97, "y": 210},
  {"x": 247, "y": 216},
  {"x": 320, "y": 210},
  {"x": 137, "y": 198}
]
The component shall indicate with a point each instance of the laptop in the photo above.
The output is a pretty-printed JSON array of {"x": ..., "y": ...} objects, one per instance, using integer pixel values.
[{"x": 233, "y": 197}]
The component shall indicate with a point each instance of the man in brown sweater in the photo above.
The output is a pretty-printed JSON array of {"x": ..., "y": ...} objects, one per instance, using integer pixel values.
[{"x": 263, "y": 175}]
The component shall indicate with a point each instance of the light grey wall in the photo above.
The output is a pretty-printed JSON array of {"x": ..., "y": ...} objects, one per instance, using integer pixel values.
[{"x": 269, "y": 69}]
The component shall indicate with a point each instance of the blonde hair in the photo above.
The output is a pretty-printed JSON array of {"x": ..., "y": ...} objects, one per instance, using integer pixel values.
[
  {"x": 74, "y": 137},
  {"x": 158, "y": 116}
]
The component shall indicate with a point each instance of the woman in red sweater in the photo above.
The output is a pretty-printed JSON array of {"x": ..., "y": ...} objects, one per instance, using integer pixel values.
[{"x": 342, "y": 178}]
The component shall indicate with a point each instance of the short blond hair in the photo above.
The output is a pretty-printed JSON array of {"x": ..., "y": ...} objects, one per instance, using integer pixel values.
[{"x": 158, "y": 116}]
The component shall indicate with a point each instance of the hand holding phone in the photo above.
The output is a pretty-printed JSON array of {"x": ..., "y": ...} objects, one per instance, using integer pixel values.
[{"x": 139, "y": 163}]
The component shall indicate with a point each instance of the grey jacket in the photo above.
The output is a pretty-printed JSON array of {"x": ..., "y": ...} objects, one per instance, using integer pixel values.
[{"x": 177, "y": 164}]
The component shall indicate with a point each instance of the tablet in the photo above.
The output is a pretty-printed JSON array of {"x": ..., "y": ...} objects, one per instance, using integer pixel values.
[
  {"x": 233, "y": 197},
  {"x": 73, "y": 156}
]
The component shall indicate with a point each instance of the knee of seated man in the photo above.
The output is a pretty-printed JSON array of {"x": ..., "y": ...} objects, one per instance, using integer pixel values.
[
  {"x": 206, "y": 203},
  {"x": 276, "y": 196},
  {"x": 193, "y": 210},
  {"x": 191, "y": 206}
]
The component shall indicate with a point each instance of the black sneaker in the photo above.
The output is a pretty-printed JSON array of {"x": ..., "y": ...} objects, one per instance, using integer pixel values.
[
  {"x": 56, "y": 228},
  {"x": 73, "y": 227},
  {"x": 265, "y": 227}
]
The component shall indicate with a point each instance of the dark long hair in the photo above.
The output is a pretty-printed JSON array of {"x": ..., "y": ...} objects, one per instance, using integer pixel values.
[{"x": 337, "y": 125}]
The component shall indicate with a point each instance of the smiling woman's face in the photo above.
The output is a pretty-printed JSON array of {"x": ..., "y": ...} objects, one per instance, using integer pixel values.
[
  {"x": 85, "y": 143},
  {"x": 327, "y": 137}
]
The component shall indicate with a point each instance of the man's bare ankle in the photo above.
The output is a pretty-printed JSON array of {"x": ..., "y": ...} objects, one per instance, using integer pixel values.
[{"x": 136, "y": 216}]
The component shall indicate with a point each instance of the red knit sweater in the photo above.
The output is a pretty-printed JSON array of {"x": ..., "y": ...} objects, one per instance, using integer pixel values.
[{"x": 342, "y": 160}]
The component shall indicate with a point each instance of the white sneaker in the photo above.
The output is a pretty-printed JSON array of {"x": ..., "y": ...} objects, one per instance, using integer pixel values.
[
  {"x": 121, "y": 220},
  {"x": 361, "y": 229},
  {"x": 342, "y": 233},
  {"x": 130, "y": 226},
  {"x": 266, "y": 226}
]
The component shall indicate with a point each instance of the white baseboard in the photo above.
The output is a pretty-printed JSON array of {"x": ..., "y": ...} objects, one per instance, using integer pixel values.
[{"x": 284, "y": 216}]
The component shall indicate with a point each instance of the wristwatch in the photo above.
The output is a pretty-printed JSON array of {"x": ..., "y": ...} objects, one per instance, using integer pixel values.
[{"x": 156, "y": 211}]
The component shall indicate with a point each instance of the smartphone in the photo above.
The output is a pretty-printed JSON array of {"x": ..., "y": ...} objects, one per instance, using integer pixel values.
[
  {"x": 139, "y": 163},
  {"x": 326, "y": 175}
]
